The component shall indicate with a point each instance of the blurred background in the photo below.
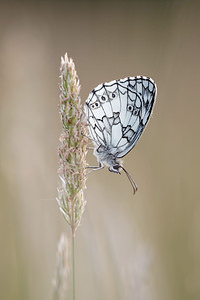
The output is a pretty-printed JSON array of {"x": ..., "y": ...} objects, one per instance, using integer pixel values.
[{"x": 135, "y": 248}]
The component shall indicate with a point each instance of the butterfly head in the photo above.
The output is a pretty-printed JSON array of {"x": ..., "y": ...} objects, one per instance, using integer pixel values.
[{"x": 115, "y": 168}]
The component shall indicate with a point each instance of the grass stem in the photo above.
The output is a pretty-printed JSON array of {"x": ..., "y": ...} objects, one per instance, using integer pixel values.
[{"x": 73, "y": 267}]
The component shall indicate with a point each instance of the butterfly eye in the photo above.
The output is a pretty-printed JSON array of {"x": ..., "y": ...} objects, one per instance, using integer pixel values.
[
  {"x": 104, "y": 98},
  {"x": 130, "y": 107}
]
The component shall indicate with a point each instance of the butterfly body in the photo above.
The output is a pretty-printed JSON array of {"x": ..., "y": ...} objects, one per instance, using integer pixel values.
[
  {"x": 117, "y": 114},
  {"x": 105, "y": 155}
]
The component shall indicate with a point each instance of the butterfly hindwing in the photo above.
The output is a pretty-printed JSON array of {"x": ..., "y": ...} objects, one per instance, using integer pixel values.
[{"x": 141, "y": 93}]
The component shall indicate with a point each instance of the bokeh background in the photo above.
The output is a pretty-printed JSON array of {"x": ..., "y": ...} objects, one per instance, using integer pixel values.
[{"x": 135, "y": 248}]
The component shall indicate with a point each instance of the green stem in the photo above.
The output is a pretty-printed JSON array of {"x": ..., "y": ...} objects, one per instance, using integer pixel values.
[{"x": 73, "y": 267}]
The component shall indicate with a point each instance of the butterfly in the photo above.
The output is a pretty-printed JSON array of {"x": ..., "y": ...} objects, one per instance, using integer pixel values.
[{"x": 117, "y": 113}]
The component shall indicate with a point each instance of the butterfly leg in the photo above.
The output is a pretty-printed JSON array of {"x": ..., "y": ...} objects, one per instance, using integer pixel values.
[{"x": 95, "y": 168}]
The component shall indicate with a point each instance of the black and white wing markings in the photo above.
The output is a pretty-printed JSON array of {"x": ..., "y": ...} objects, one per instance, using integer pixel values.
[
  {"x": 95, "y": 115},
  {"x": 118, "y": 112},
  {"x": 102, "y": 109},
  {"x": 145, "y": 90}
]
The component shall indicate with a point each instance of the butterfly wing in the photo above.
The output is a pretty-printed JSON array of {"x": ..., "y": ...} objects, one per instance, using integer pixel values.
[
  {"x": 141, "y": 95},
  {"x": 102, "y": 110},
  {"x": 118, "y": 112}
]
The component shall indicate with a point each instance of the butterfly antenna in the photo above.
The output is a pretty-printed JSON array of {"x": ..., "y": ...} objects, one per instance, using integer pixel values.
[{"x": 134, "y": 185}]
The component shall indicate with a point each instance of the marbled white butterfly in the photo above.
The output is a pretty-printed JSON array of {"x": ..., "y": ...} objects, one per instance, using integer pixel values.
[{"x": 117, "y": 113}]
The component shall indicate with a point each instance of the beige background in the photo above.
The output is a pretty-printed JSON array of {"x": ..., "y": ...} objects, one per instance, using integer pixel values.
[{"x": 145, "y": 247}]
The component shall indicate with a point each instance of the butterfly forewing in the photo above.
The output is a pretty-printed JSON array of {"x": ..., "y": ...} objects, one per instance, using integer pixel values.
[{"x": 118, "y": 112}]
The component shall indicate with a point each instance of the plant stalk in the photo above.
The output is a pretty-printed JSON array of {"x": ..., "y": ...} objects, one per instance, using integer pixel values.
[{"x": 73, "y": 267}]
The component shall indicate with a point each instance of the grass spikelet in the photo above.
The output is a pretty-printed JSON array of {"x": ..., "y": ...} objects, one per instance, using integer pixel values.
[{"x": 73, "y": 144}]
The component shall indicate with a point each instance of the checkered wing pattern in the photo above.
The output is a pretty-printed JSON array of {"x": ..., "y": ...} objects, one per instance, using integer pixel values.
[{"x": 118, "y": 112}]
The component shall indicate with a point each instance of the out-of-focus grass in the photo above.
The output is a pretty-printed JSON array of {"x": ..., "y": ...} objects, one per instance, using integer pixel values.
[{"x": 145, "y": 247}]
